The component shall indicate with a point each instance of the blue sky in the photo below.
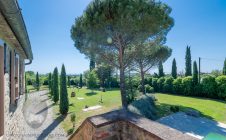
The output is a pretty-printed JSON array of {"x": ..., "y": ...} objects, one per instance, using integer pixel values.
[{"x": 198, "y": 23}]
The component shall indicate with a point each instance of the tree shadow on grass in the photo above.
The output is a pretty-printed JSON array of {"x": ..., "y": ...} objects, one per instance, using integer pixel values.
[
  {"x": 90, "y": 93},
  {"x": 51, "y": 127},
  {"x": 201, "y": 126}
]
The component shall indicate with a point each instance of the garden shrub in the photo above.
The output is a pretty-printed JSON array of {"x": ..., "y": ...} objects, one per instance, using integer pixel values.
[
  {"x": 131, "y": 96},
  {"x": 174, "y": 108},
  {"x": 149, "y": 89},
  {"x": 145, "y": 106},
  {"x": 187, "y": 85},
  {"x": 198, "y": 90},
  {"x": 221, "y": 86},
  {"x": 209, "y": 87},
  {"x": 168, "y": 85},
  {"x": 160, "y": 84},
  {"x": 178, "y": 86},
  {"x": 150, "y": 81},
  {"x": 155, "y": 84}
]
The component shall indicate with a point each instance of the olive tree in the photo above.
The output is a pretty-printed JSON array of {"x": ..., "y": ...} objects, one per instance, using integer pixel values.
[{"x": 108, "y": 28}]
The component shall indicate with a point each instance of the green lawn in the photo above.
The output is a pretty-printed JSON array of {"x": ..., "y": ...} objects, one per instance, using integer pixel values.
[
  {"x": 111, "y": 100},
  {"x": 213, "y": 109},
  {"x": 31, "y": 88}
]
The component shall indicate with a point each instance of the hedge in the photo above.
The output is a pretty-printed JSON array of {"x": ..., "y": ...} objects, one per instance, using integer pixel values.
[
  {"x": 221, "y": 84},
  {"x": 209, "y": 87},
  {"x": 168, "y": 85}
]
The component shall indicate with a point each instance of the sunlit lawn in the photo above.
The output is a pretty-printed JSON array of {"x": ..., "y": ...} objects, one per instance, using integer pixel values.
[
  {"x": 31, "y": 88},
  {"x": 213, "y": 109},
  {"x": 111, "y": 100}
]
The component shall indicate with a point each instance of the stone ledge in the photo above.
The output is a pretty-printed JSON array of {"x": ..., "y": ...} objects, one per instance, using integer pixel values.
[{"x": 155, "y": 130}]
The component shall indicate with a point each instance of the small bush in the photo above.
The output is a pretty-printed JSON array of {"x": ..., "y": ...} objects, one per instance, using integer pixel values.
[
  {"x": 187, "y": 85},
  {"x": 174, "y": 108},
  {"x": 155, "y": 84},
  {"x": 145, "y": 106},
  {"x": 131, "y": 96},
  {"x": 70, "y": 131},
  {"x": 149, "y": 89},
  {"x": 160, "y": 84},
  {"x": 221, "y": 86},
  {"x": 209, "y": 87},
  {"x": 178, "y": 86},
  {"x": 168, "y": 85}
]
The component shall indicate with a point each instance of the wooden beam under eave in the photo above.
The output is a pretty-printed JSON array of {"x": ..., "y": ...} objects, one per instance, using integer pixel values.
[
  {"x": 2, "y": 85},
  {"x": 12, "y": 78}
]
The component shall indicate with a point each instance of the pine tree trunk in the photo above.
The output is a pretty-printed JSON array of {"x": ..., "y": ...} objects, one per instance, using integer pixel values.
[
  {"x": 123, "y": 88},
  {"x": 142, "y": 81}
]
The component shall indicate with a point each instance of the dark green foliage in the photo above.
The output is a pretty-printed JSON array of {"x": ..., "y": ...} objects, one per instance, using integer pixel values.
[
  {"x": 174, "y": 69},
  {"x": 63, "y": 92},
  {"x": 149, "y": 81},
  {"x": 178, "y": 86},
  {"x": 160, "y": 84},
  {"x": 92, "y": 80},
  {"x": 221, "y": 84},
  {"x": 209, "y": 86},
  {"x": 70, "y": 131},
  {"x": 174, "y": 108},
  {"x": 131, "y": 96},
  {"x": 155, "y": 84},
  {"x": 187, "y": 85},
  {"x": 50, "y": 81},
  {"x": 80, "y": 81},
  {"x": 103, "y": 72},
  {"x": 145, "y": 106},
  {"x": 188, "y": 62},
  {"x": 195, "y": 74},
  {"x": 55, "y": 91},
  {"x": 224, "y": 69},
  {"x": 149, "y": 89},
  {"x": 168, "y": 85},
  {"x": 37, "y": 82},
  {"x": 198, "y": 90},
  {"x": 161, "y": 71},
  {"x": 68, "y": 81},
  {"x": 92, "y": 64}
]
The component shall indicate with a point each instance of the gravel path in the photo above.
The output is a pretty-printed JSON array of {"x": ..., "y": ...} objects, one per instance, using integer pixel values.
[{"x": 39, "y": 121}]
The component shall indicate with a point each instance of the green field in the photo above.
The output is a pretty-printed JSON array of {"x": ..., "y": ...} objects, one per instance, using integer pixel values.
[
  {"x": 213, "y": 109},
  {"x": 111, "y": 100},
  {"x": 31, "y": 88}
]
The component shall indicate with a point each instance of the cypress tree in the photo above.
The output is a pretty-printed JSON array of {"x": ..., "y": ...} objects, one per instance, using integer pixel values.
[
  {"x": 69, "y": 81},
  {"x": 80, "y": 81},
  {"x": 63, "y": 92},
  {"x": 37, "y": 82},
  {"x": 161, "y": 72},
  {"x": 55, "y": 86},
  {"x": 92, "y": 64},
  {"x": 224, "y": 69},
  {"x": 188, "y": 62},
  {"x": 174, "y": 69},
  {"x": 50, "y": 81},
  {"x": 195, "y": 73}
]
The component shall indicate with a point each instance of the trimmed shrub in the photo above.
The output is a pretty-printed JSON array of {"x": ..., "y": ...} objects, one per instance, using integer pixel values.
[
  {"x": 221, "y": 86},
  {"x": 198, "y": 90},
  {"x": 145, "y": 106},
  {"x": 149, "y": 89},
  {"x": 168, "y": 85},
  {"x": 155, "y": 84},
  {"x": 174, "y": 108},
  {"x": 150, "y": 81},
  {"x": 131, "y": 96},
  {"x": 178, "y": 86},
  {"x": 187, "y": 85},
  {"x": 160, "y": 84},
  {"x": 209, "y": 87}
]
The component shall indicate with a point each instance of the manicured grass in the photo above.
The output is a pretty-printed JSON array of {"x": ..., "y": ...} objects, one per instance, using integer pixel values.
[
  {"x": 111, "y": 100},
  {"x": 209, "y": 108}
]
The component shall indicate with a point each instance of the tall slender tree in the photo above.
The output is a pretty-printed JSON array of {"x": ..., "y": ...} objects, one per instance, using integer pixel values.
[
  {"x": 68, "y": 81},
  {"x": 195, "y": 73},
  {"x": 174, "y": 69},
  {"x": 63, "y": 92},
  {"x": 55, "y": 86},
  {"x": 50, "y": 81},
  {"x": 92, "y": 64},
  {"x": 224, "y": 69},
  {"x": 80, "y": 81},
  {"x": 161, "y": 71},
  {"x": 37, "y": 82},
  {"x": 188, "y": 69},
  {"x": 104, "y": 30}
]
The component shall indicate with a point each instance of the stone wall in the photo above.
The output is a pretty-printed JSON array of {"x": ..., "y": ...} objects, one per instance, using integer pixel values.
[
  {"x": 13, "y": 115},
  {"x": 124, "y": 125}
]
